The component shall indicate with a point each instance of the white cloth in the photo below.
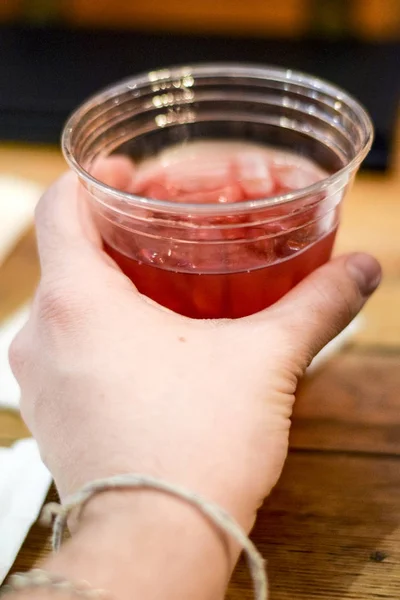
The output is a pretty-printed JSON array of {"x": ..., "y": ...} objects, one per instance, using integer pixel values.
[
  {"x": 9, "y": 389},
  {"x": 24, "y": 483}
]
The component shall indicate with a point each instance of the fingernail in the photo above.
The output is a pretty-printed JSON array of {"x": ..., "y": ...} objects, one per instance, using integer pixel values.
[{"x": 366, "y": 271}]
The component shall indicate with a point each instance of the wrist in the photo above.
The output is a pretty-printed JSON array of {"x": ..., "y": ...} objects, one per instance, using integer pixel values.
[{"x": 132, "y": 542}]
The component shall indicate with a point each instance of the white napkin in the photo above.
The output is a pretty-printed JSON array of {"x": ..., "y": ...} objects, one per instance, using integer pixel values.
[
  {"x": 24, "y": 483},
  {"x": 9, "y": 389}
]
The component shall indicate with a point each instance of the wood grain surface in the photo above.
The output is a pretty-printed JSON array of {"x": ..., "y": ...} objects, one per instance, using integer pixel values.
[{"x": 331, "y": 528}]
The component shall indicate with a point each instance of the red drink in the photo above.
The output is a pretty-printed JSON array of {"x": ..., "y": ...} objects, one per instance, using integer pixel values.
[
  {"x": 224, "y": 295},
  {"x": 253, "y": 266}
]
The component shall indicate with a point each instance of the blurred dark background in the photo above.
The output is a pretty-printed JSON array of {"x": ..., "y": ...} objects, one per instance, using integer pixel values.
[{"x": 54, "y": 53}]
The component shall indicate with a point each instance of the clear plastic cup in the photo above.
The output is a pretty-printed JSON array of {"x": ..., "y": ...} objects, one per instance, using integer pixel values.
[{"x": 213, "y": 260}]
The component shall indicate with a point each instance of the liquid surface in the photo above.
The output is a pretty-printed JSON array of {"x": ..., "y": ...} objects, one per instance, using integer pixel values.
[{"x": 247, "y": 269}]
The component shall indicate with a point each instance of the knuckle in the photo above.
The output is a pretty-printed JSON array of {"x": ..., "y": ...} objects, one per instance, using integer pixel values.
[{"x": 59, "y": 305}]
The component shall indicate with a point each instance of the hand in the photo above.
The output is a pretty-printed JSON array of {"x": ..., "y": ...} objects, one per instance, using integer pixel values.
[{"x": 113, "y": 383}]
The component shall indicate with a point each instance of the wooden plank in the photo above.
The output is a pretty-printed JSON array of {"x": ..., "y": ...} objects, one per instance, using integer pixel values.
[
  {"x": 351, "y": 403},
  {"x": 322, "y": 527}
]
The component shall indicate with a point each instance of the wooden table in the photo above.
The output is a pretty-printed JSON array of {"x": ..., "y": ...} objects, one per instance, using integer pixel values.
[{"x": 331, "y": 528}]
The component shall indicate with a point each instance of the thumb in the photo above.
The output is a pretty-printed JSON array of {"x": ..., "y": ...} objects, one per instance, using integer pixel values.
[{"x": 317, "y": 309}]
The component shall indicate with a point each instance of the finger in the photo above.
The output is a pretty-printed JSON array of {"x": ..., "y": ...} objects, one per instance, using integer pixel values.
[
  {"x": 64, "y": 226},
  {"x": 75, "y": 269},
  {"x": 115, "y": 171},
  {"x": 66, "y": 232},
  {"x": 316, "y": 310}
]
